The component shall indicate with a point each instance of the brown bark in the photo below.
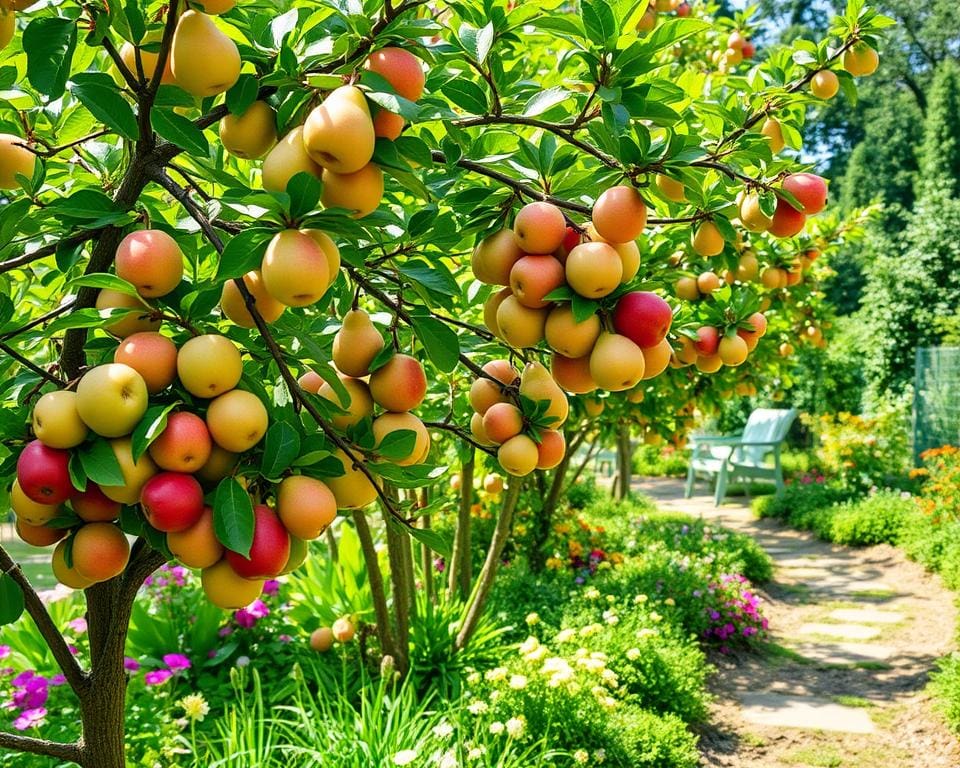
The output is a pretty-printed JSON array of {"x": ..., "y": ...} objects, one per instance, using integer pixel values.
[
  {"x": 375, "y": 577},
  {"x": 460, "y": 565}
]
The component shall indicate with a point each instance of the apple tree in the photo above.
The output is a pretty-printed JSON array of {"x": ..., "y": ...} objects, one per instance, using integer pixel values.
[{"x": 269, "y": 263}]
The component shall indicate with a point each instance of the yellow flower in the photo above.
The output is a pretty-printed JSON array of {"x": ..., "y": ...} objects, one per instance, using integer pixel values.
[
  {"x": 581, "y": 756},
  {"x": 532, "y": 619},
  {"x": 195, "y": 706}
]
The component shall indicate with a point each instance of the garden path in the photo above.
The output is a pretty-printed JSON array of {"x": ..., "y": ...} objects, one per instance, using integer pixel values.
[{"x": 854, "y": 635}]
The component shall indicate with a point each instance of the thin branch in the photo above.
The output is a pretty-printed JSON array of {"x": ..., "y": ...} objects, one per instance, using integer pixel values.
[
  {"x": 30, "y": 365},
  {"x": 51, "y": 151},
  {"x": 48, "y": 630},
  {"x": 135, "y": 85},
  {"x": 18, "y": 743},
  {"x": 66, "y": 307},
  {"x": 164, "y": 54},
  {"x": 49, "y": 250},
  {"x": 462, "y": 434}
]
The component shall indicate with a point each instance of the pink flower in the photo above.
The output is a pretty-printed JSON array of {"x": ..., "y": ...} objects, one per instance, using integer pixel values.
[
  {"x": 247, "y": 617},
  {"x": 58, "y": 680},
  {"x": 271, "y": 587},
  {"x": 177, "y": 662},
  {"x": 30, "y": 718},
  {"x": 4, "y": 651},
  {"x": 157, "y": 676},
  {"x": 78, "y": 625},
  {"x": 131, "y": 665}
]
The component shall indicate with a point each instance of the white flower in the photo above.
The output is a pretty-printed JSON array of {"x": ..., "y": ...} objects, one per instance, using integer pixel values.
[
  {"x": 496, "y": 675},
  {"x": 442, "y": 730},
  {"x": 592, "y": 594},
  {"x": 532, "y": 619},
  {"x": 448, "y": 759},
  {"x": 640, "y": 599},
  {"x": 405, "y": 757},
  {"x": 518, "y": 682},
  {"x": 515, "y": 727},
  {"x": 496, "y": 728},
  {"x": 195, "y": 706},
  {"x": 476, "y": 753},
  {"x": 536, "y": 655},
  {"x": 529, "y": 645},
  {"x": 473, "y": 678},
  {"x": 611, "y": 617},
  {"x": 581, "y": 756},
  {"x": 591, "y": 629},
  {"x": 478, "y": 708},
  {"x": 633, "y": 654},
  {"x": 566, "y": 635},
  {"x": 600, "y": 755},
  {"x": 243, "y": 661}
]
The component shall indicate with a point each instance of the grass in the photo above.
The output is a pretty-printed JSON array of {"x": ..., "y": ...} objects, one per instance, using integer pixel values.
[
  {"x": 852, "y": 701},
  {"x": 819, "y": 757},
  {"x": 875, "y": 594},
  {"x": 34, "y": 561},
  {"x": 780, "y": 654}
]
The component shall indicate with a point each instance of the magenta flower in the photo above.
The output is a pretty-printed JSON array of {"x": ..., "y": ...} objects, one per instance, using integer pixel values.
[
  {"x": 31, "y": 718},
  {"x": 271, "y": 587},
  {"x": 78, "y": 625},
  {"x": 177, "y": 662},
  {"x": 247, "y": 617},
  {"x": 4, "y": 651},
  {"x": 58, "y": 680},
  {"x": 20, "y": 680},
  {"x": 157, "y": 676},
  {"x": 131, "y": 665}
]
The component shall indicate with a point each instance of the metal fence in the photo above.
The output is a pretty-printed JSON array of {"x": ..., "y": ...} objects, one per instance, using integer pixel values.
[{"x": 936, "y": 399}]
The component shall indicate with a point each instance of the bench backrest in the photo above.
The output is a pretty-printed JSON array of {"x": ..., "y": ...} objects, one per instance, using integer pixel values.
[{"x": 765, "y": 425}]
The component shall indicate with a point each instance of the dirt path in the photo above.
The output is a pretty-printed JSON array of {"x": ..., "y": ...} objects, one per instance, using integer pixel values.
[{"x": 855, "y": 633}]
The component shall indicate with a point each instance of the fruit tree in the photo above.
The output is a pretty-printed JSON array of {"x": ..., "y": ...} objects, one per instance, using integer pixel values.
[{"x": 268, "y": 263}]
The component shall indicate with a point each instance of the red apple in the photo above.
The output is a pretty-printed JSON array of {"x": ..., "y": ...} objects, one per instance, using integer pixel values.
[
  {"x": 94, "y": 507},
  {"x": 270, "y": 550},
  {"x": 172, "y": 501},
  {"x": 708, "y": 339},
  {"x": 809, "y": 189},
  {"x": 683, "y": 10},
  {"x": 44, "y": 474},
  {"x": 787, "y": 220},
  {"x": 642, "y": 317},
  {"x": 748, "y": 50},
  {"x": 570, "y": 241}
]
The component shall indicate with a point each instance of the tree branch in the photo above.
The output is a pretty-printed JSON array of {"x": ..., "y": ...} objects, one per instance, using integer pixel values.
[
  {"x": 18, "y": 743},
  {"x": 65, "y": 307},
  {"x": 30, "y": 365},
  {"x": 48, "y": 630},
  {"x": 49, "y": 250},
  {"x": 462, "y": 434}
]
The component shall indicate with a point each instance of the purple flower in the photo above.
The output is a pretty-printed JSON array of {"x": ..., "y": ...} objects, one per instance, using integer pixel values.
[
  {"x": 224, "y": 631},
  {"x": 4, "y": 651},
  {"x": 20, "y": 680},
  {"x": 271, "y": 587},
  {"x": 58, "y": 680},
  {"x": 285, "y": 639},
  {"x": 30, "y": 718},
  {"x": 440, "y": 564},
  {"x": 73, "y": 649},
  {"x": 157, "y": 676},
  {"x": 32, "y": 694},
  {"x": 177, "y": 662},
  {"x": 78, "y": 625},
  {"x": 131, "y": 665}
]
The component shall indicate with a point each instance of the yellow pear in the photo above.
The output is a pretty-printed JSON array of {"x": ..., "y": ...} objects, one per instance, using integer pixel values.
[
  {"x": 329, "y": 248},
  {"x": 8, "y": 26},
  {"x": 204, "y": 61},
  {"x": 772, "y": 130},
  {"x": 148, "y": 60},
  {"x": 616, "y": 363},
  {"x": 397, "y": 422},
  {"x": 568, "y": 337},
  {"x": 286, "y": 160},
  {"x": 131, "y": 323},
  {"x": 135, "y": 473},
  {"x": 752, "y": 215},
  {"x": 339, "y": 133},
  {"x": 295, "y": 270},
  {"x": 216, "y": 7},
  {"x": 357, "y": 406},
  {"x": 356, "y": 344},
  {"x": 353, "y": 489},
  {"x": 359, "y": 192},
  {"x": 251, "y": 134},
  {"x": 14, "y": 159},
  {"x": 537, "y": 384}
]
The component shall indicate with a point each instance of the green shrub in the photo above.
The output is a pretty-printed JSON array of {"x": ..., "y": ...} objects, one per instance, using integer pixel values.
[
  {"x": 659, "y": 461},
  {"x": 945, "y": 683},
  {"x": 584, "y": 492},
  {"x": 646, "y": 740},
  {"x": 798, "y": 500},
  {"x": 877, "y": 519}
]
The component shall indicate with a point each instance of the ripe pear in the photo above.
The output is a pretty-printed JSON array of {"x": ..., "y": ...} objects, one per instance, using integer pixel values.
[
  {"x": 771, "y": 129},
  {"x": 616, "y": 363},
  {"x": 329, "y": 249},
  {"x": 204, "y": 61},
  {"x": 357, "y": 406},
  {"x": 707, "y": 240},
  {"x": 339, "y": 133},
  {"x": 520, "y": 326},
  {"x": 251, "y": 134},
  {"x": 401, "y": 69},
  {"x": 537, "y": 384},
  {"x": 518, "y": 456},
  {"x": 216, "y": 7},
  {"x": 295, "y": 270},
  {"x": 8, "y": 26},
  {"x": 234, "y": 307},
  {"x": 573, "y": 373},
  {"x": 287, "y": 158},
  {"x": 490, "y": 308},
  {"x": 359, "y": 192},
  {"x": 388, "y": 423},
  {"x": 494, "y": 257},
  {"x": 14, "y": 159},
  {"x": 135, "y": 473},
  {"x": 752, "y": 215},
  {"x": 671, "y": 189},
  {"x": 131, "y": 323},
  {"x": 352, "y": 489},
  {"x": 568, "y": 337},
  {"x": 594, "y": 270},
  {"x": 148, "y": 60},
  {"x": 356, "y": 344},
  {"x": 825, "y": 84}
]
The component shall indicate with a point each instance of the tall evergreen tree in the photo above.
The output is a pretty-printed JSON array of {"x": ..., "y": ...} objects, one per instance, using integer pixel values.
[{"x": 940, "y": 151}]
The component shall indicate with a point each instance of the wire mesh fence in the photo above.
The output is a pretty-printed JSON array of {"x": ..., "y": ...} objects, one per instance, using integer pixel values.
[{"x": 936, "y": 400}]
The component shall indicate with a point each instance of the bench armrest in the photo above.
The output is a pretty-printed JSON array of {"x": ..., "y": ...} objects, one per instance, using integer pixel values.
[{"x": 716, "y": 439}]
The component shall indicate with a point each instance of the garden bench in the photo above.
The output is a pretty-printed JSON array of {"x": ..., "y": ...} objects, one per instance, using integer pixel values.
[{"x": 727, "y": 457}]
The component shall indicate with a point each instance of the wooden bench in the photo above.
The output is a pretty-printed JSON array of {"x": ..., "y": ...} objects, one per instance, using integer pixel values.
[{"x": 743, "y": 456}]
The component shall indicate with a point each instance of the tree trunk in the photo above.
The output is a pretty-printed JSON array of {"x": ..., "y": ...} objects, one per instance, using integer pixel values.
[
  {"x": 397, "y": 542},
  {"x": 460, "y": 566},
  {"x": 388, "y": 645},
  {"x": 624, "y": 462},
  {"x": 544, "y": 521}
]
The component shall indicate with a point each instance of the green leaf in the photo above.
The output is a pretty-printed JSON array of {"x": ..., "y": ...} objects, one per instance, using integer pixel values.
[
  {"x": 243, "y": 252},
  {"x": 107, "y": 105},
  {"x": 179, "y": 130},
  {"x": 484, "y": 42},
  {"x": 440, "y": 342},
  {"x": 466, "y": 94},
  {"x": 49, "y": 42},
  {"x": 103, "y": 280},
  {"x": 391, "y": 102},
  {"x": 304, "y": 191},
  {"x": 11, "y": 600},
  {"x": 438, "y": 542},
  {"x": 582, "y": 308},
  {"x": 154, "y": 421},
  {"x": 242, "y": 94},
  {"x": 85, "y": 204},
  {"x": 233, "y": 516},
  {"x": 599, "y": 21},
  {"x": 398, "y": 444},
  {"x": 135, "y": 22},
  {"x": 100, "y": 463},
  {"x": 281, "y": 447},
  {"x": 544, "y": 100},
  {"x": 77, "y": 476},
  {"x": 433, "y": 278}
]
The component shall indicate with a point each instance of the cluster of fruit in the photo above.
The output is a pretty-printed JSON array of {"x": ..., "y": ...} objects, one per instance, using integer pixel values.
[
  {"x": 809, "y": 191},
  {"x": 712, "y": 348},
  {"x": 520, "y": 413},
  {"x": 342, "y": 631},
  {"x": 397, "y": 386},
  {"x": 738, "y": 47},
  {"x": 542, "y": 256},
  {"x": 648, "y": 21},
  {"x": 336, "y": 142}
]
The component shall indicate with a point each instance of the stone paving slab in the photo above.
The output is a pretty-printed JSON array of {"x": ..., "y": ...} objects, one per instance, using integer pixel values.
[
  {"x": 777, "y": 710},
  {"x": 800, "y": 563},
  {"x": 866, "y": 616},
  {"x": 843, "y": 653},
  {"x": 844, "y": 631}
]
